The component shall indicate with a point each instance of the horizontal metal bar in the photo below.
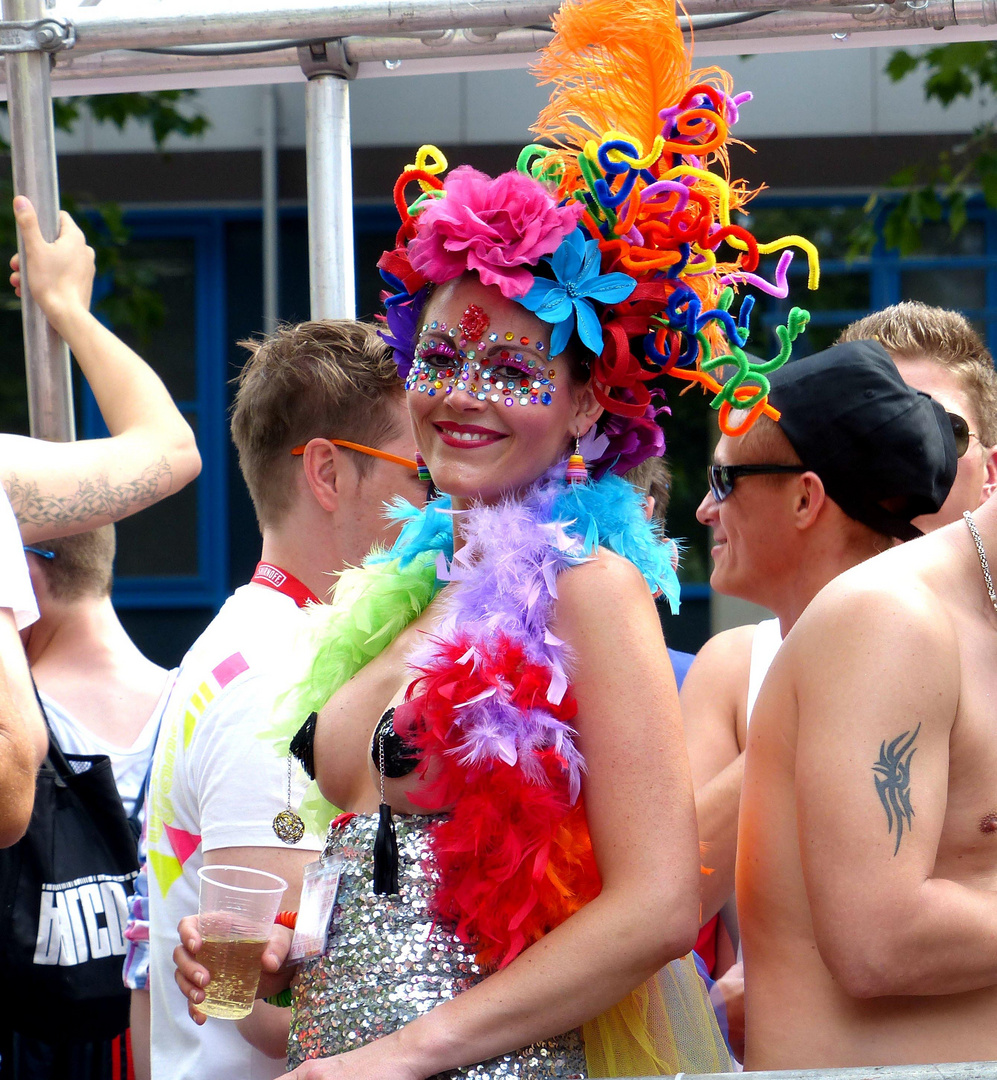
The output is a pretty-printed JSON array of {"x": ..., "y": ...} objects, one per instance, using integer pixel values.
[
  {"x": 929, "y": 14},
  {"x": 193, "y": 22},
  {"x": 78, "y": 72}
]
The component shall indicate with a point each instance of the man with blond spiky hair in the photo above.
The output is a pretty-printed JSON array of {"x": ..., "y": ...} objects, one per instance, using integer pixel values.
[{"x": 938, "y": 351}]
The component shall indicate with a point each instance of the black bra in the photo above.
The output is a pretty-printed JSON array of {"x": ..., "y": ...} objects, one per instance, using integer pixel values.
[{"x": 399, "y": 757}]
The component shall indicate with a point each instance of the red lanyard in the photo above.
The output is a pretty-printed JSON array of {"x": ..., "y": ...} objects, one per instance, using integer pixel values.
[{"x": 275, "y": 578}]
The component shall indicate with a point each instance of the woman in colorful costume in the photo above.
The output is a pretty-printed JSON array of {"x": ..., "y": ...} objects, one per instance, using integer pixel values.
[{"x": 491, "y": 699}]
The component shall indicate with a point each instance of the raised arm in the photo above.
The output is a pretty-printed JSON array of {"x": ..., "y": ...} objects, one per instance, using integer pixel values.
[
  {"x": 713, "y": 700},
  {"x": 638, "y": 798},
  {"x": 877, "y": 682},
  {"x": 61, "y": 488}
]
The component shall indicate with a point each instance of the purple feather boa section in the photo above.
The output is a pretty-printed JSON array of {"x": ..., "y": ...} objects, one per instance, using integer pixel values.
[{"x": 508, "y": 569}]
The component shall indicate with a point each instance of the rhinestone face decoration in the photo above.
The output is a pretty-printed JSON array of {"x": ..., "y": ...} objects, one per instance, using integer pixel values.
[
  {"x": 389, "y": 959},
  {"x": 453, "y": 359},
  {"x": 474, "y": 322}
]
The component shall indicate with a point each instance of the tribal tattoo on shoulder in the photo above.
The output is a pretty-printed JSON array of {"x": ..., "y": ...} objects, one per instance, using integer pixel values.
[
  {"x": 92, "y": 498},
  {"x": 892, "y": 779}
]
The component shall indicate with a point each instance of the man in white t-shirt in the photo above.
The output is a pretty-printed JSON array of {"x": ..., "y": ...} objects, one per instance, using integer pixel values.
[{"x": 324, "y": 440}]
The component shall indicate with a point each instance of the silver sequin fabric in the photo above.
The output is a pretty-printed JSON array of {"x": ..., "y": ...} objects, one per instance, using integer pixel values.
[{"x": 386, "y": 963}]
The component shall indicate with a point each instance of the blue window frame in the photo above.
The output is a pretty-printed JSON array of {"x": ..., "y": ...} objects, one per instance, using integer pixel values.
[{"x": 198, "y": 576}]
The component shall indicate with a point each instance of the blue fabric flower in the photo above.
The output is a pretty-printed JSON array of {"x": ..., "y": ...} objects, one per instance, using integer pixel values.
[{"x": 576, "y": 265}]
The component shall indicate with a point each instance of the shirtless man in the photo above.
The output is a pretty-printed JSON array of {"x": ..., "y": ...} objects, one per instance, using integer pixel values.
[
  {"x": 935, "y": 351},
  {"x": 867, "y": 855}
]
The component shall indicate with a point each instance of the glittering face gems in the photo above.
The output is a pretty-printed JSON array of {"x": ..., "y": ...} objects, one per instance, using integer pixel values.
[
  {"x": 474, "y": 322},
  {"x": 461, "y": 360}
]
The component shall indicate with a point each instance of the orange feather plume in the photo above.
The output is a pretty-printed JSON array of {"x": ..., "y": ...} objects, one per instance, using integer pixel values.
[{"x": 614, "y": 64}]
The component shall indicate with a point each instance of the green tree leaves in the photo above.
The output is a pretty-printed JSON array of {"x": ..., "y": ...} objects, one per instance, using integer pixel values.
[
  {"x": 132, "y": 300},
  {"x": 937, "y": 190}
]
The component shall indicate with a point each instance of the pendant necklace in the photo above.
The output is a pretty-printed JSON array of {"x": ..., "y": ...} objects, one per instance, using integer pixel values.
[{"x": 978, "y": 541}]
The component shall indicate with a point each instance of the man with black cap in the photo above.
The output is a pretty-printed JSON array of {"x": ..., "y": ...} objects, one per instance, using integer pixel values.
[
  {"x": 867, "y": 852},
  {"x": 856, "y": 455}
]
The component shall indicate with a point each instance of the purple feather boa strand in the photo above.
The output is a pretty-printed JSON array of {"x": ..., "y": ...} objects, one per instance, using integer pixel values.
[{"x": 508, "y": 569}]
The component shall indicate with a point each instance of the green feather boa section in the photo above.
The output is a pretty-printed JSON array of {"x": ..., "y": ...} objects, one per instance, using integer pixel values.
[{"x": 381, "y": 599}]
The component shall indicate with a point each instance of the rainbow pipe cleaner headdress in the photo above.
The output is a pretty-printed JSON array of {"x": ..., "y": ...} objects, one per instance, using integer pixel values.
[{"x": 615, "y": 227}]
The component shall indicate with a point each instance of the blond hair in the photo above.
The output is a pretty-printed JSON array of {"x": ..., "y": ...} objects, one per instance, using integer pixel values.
[
  {"x": 912, "y": 331},
  {"x": 328, "y": 379}
]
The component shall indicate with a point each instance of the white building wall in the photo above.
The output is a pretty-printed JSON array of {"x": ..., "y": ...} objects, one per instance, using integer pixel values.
[{"x": 831, "y": 92}]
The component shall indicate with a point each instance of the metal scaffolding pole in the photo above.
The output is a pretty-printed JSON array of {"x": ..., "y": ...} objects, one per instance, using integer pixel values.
[
  {"x": 32, "y": 145},
  {"x": 330, "y": 181},
  {"x": 186, "y": 22},
  {"x": 271, "y": 210}
]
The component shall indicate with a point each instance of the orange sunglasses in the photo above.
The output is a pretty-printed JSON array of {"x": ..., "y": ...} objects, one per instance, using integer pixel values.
[{"x": 361, "y": 449}]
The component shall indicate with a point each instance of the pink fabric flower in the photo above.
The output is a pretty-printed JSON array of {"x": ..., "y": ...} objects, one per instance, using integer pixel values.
[{"x": 496, "y": 227}]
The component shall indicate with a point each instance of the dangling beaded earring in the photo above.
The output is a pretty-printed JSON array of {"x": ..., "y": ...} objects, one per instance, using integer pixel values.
[
  {"x": 576, "y": 472},
  {"x": 422, "y": 467}
]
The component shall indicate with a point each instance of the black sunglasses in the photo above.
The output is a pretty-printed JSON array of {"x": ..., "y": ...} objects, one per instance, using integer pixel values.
[
  {"x": 960, "y": 429},
  {"x": 722, "y": 477}
]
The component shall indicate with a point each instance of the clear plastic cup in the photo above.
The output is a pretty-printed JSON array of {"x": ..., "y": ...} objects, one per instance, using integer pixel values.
[{"x": 236, "y": 912}]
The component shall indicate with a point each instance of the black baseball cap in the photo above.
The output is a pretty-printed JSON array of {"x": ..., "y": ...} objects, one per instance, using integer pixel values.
[{"x": 868, "y": 435}]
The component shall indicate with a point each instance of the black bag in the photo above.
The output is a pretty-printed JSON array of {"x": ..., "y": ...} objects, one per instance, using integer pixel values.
[{"x": 64, "y": 892}]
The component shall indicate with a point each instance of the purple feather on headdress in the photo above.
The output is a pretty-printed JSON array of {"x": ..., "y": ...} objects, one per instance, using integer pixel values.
[
  {"x": 402, "y": 322},
  {"x": 624, "y": 442}
]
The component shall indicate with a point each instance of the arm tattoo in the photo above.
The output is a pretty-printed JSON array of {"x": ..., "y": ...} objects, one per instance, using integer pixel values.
[
  {"x": 92, "y": 498},
  {"x": 892, "y": 779}
]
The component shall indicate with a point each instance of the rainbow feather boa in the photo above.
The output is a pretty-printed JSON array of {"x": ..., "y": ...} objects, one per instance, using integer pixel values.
[{"x": 490, "y": 704}]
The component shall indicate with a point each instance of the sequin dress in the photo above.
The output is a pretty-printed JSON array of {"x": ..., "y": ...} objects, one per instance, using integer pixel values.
[{"x": 386, "y": 963}]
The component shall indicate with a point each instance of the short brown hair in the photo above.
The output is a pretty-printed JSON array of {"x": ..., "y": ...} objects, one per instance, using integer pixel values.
[
  {"x": 312, "y": 380},
  {"x": 83, "y": 565},
  {"x": 653, "y": 477},
  {"x": 912, "y": 330}
]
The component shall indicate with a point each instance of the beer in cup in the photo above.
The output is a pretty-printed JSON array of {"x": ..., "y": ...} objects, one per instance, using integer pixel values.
[{"x": 236, "y": 910}]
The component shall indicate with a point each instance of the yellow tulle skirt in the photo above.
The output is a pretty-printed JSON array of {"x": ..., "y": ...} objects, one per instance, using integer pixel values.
[{"x": 666, "y": 1026}]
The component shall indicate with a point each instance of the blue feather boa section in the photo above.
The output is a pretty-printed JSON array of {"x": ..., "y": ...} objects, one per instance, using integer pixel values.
[{"x": 605, "y": 513}]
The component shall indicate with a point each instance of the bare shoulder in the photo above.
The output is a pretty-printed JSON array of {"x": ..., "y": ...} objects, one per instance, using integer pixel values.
[
  {"x": 717, "y": 681},
  {"x": 728, "y": 652},
  {"x": 880, "y": 611},
  {"x": 605, "y": 586}
]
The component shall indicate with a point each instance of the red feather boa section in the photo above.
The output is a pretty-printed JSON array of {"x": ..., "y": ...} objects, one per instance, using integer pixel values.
[{"x": 512, "y": 857}]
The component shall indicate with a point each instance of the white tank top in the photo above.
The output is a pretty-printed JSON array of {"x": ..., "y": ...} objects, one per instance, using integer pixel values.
[
  {"x": 764, "y": 645},
  {"x": 128, "y": 763}
]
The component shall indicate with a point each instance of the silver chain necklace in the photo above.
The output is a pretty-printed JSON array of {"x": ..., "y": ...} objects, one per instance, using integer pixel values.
[{"x": 968, "y": 517}]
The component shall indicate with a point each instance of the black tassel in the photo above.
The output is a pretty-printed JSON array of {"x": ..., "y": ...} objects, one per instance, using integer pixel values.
[{"x": 385, "y": 853}]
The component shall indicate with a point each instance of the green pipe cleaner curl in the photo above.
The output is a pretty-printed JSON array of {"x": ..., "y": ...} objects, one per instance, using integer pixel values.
[{"x": 750, "y": 373}]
